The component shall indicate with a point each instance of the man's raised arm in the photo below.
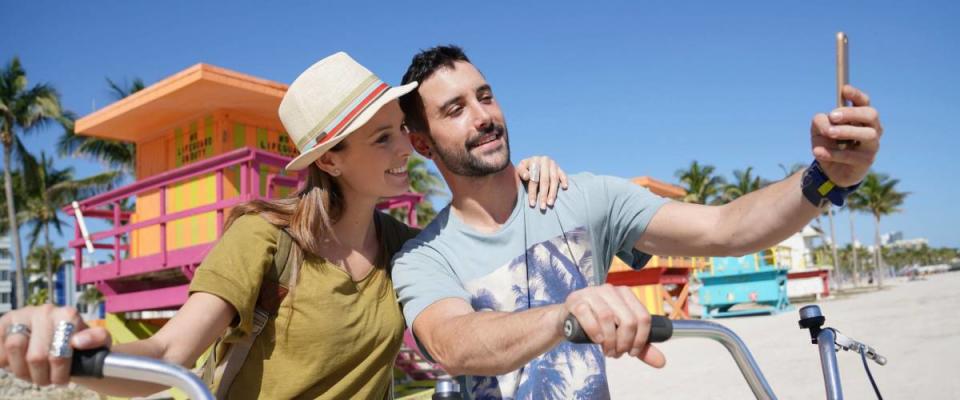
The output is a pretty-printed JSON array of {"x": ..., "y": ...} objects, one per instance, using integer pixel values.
[{"x": 766, "y": 217}]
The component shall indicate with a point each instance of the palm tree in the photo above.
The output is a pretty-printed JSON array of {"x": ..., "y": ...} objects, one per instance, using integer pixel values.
[
  {"x": 19, "y": 198},
  {"x": 120, "y": 91},
  {"x": 113, "y": 153},
  {"x": 878, "y": 195},
  {"x": 701, "y": 185},
  {"x": 44, "y": 258},
  {"x": 48, "y": 189},
  {"x": 947, "y": 255},
  {"x": 22, "y": 108},
  {"x": 852, "y": 209},
  {"x": 744, "y": 182},
  {"x": 90, "y": 296},
  {"x": 426, "y": 182},
  {"x": 833, "y": 239}
]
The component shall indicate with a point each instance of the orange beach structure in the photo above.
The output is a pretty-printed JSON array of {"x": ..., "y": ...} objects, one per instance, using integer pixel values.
[{"x": 206, "y": 139}]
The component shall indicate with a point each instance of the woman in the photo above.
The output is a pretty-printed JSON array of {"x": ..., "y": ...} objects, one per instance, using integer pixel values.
[{"x": 339, "y": 328}]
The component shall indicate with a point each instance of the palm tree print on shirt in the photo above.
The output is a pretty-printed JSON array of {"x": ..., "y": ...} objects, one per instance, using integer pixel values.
[{"x": 546, "y": 274}]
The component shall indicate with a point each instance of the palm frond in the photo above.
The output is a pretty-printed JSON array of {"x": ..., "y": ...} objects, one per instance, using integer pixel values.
[
  {"x": 69, "y": 141},
  {"x": 66, "y": 191},
  {"x": 120, "y": 91},
  {"x": 37, "y": 107},
  {"x": 702, "y": 186}
]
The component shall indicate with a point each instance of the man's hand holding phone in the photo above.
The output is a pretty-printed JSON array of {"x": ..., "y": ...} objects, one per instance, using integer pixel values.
[
  {"x": 846, "y": 141},
  {"x": 860, "y": 122}
]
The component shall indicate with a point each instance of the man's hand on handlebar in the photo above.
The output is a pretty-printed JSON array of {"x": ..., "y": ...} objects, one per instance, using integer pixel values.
[{"x": 614, "y": 318}]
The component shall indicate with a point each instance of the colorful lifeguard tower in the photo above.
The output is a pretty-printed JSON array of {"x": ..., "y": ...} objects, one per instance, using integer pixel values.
[
  {"x": 663, "y": 285},
  {"x": 758, "y": 280},
  {"x": 207, "y": 139}
]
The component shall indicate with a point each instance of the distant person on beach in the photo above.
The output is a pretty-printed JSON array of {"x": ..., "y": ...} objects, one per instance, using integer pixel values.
[{"x": 488, "y": 283}]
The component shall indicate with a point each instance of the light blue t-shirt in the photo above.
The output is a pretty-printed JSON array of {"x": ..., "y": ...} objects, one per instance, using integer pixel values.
[{"x": 535, "y": 259}]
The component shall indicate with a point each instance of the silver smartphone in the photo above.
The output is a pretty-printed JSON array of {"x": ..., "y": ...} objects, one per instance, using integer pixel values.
[{"x": 843, "y": 78}]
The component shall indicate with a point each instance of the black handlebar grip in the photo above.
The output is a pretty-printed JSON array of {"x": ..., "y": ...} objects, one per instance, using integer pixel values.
[
  {"x": 89, "y": 363},
  {"x": 661, "y": 329},
  {"x": 573, "y": 331}
]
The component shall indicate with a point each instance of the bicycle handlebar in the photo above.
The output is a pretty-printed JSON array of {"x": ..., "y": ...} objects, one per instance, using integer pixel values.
[
  {"x": 661, "y": 329},
  {"x": 101, "y": 363}
]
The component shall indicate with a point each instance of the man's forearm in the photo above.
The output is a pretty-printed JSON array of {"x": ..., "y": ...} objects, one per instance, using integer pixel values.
[
  {"x": 763, "y": 218},
  {"x": 493, "y": 343}
]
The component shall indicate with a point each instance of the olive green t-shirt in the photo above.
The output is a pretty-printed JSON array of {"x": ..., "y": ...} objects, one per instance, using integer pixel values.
[{"x": 338, "y": 341}]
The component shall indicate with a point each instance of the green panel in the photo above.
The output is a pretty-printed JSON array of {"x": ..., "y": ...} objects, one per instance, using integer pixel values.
[
  {"x": 262, "y": 139},
  {"x": 239, "y": 135},
  {"x": 193, "y": 142},
  {"x": 178, "y": 142},
  {"x": 264, "y": 170},
  {"x": 287, "y": 147},
  {"x": 283, "y": 191},
  {"x": 263, "y": 144},
  {"x": 208, "y": 135}
]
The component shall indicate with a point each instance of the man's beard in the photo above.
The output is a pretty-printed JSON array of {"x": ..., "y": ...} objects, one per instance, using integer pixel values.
[{"x": 463, "y": 163}]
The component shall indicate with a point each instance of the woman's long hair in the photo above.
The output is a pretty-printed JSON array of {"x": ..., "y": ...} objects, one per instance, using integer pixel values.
[{"x": 308, "y": 216}]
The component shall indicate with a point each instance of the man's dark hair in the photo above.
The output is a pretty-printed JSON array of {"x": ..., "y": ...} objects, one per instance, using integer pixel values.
[{"x": 423, "y": 65}]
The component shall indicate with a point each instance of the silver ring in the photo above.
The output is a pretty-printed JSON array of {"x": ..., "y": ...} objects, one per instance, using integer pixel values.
[
  {"x": 21, "y": 329},
  {"x": 60, "y": 345},
  {"x": 535, "y": 173}
]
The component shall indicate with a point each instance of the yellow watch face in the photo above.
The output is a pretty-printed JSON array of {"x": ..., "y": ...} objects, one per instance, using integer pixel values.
[{"x": 825, "y": 188}]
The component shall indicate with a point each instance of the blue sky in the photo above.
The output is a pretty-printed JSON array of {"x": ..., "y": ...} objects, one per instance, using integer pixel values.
[{"x": 619, "y": 88}]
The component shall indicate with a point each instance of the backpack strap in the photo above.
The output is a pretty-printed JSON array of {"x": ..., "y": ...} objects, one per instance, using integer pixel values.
[{"x": 273, "y": 289}]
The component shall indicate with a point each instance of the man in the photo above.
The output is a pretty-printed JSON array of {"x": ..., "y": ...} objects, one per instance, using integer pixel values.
[{"x": 487, "y": 285}]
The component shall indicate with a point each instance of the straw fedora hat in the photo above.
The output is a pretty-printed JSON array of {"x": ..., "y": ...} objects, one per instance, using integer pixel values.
[{"x": 330, "y": 100}]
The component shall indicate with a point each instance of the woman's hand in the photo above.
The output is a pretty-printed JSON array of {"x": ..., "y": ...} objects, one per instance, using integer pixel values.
[
  {"x": 542, "y": 169},
  {"x": 28, "y": 335}
]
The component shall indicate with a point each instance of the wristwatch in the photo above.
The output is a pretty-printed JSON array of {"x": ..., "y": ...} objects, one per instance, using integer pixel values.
[{"x": 819, "y": 189}]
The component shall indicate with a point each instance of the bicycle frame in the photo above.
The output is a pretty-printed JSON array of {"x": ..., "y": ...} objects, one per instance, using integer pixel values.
[
  {"x": 829, "y": 341},
  {"x": 738, "y": 350},
  {"x": 102, "y": 363}
]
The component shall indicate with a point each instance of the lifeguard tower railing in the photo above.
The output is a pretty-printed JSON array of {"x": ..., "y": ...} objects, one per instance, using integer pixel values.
[
  {"x": 759, "y": 279},
  {"x": 160, "y": 280},
  {"x": 663, "y": 285}
]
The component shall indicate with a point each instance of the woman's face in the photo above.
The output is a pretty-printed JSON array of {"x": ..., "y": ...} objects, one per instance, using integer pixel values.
[{"x": 374, "y": 158}]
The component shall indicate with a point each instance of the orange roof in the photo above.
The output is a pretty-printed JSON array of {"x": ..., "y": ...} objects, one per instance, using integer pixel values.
[
  {"x": 193, "y": 92},
  {"x": 659, "y": 187}
]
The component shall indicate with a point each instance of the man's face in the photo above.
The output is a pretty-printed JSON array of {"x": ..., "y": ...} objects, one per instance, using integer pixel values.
[{"x": 466, "y": 126}]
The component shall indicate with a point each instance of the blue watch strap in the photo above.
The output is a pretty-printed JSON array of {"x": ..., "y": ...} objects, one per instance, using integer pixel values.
[{"x": 818, "y": 188}]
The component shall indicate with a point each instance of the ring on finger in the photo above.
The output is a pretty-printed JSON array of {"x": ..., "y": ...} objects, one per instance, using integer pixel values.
[
  {"x": 535, "y": 173},
  {"x": 21, "y": 329},
  {"x": 60, "y": 345}
]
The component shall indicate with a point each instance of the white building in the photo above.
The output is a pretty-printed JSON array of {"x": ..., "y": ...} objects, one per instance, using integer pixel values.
[
  {"x": 7, "y": 275},
  {"x": 895, "y": 240},
  {"x": 796, "y": 251}
]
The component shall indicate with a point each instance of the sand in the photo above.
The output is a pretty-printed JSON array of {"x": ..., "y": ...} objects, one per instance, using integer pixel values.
[{"x": 913, "y": 323}]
